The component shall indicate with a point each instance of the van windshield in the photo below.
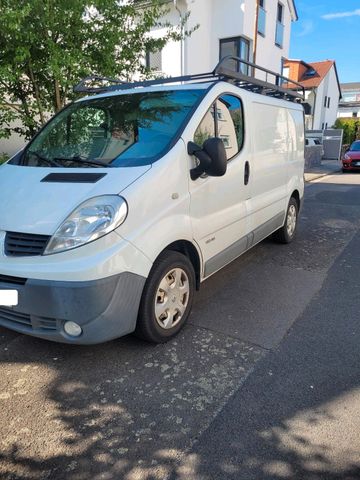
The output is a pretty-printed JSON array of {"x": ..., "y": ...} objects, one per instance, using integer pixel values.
[{"x": 116, "y": 131}]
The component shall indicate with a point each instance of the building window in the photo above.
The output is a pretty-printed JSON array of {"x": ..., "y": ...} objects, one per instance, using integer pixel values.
[
  {"x": 279, "y": 34},
  {"x": 154, "y": 60},
  {"x": 261, "y": 18},
  {"x": 328, "y": 104},
  {"x": 354, "y": 114},
  {"x": 325, "y": 101},
  {"x": 322, "y": 126},
  {"x": 236, "y": 47},
  {"x": 310, "y": 73}
]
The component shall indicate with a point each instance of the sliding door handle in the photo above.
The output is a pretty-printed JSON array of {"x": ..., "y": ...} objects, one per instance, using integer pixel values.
[{"x": 246, "y": 173}]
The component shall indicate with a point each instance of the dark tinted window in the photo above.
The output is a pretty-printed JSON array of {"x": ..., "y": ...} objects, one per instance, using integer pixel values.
[{"x": 236, "y": 47}]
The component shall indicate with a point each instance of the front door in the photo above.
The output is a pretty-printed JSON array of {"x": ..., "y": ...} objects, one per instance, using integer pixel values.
[{"x": 218, "y": 204}]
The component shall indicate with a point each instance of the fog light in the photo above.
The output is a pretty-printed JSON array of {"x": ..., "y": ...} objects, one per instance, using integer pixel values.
[{"x": 72, "y": 329}]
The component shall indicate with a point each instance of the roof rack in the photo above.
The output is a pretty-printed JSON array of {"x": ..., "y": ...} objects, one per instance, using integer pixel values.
[{"x": 272, "y": 84}]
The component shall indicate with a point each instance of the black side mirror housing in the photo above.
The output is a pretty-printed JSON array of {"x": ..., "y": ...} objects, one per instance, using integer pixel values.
[
  {"x": 212, "y": 158},
  {"x": 307, "y": 108}
]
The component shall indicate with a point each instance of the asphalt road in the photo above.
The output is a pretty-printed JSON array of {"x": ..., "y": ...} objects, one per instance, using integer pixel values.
[{"x": 262, "y": 384}]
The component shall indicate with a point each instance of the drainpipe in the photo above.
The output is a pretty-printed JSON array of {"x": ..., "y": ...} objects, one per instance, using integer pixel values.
[
  {"x": 182, "y": 56},
  {"x": 256, "y": 32},
  {"x": 313, "y": 117}
]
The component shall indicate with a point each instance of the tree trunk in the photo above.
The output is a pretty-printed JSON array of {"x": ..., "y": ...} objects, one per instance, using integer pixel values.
[
  {"x": 58, "y": 104},
  {"x": 36, "y": 93}
]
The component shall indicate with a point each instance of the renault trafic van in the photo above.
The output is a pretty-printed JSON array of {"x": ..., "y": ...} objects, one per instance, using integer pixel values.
[{"x": 127, "y": 200}]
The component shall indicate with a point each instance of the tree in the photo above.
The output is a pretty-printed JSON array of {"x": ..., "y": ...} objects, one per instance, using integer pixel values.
[{"x": 47, "y": 46}]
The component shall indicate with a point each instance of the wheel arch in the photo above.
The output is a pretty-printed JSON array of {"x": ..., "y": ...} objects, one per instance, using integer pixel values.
[
  {"x": 187, "y": 248},
  {"x": 295, "y": 194}
]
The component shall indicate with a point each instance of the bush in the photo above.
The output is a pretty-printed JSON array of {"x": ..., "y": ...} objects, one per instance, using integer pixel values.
[
  {"x": 3, "y": 157},
  {"x": 351, "y": 128}
]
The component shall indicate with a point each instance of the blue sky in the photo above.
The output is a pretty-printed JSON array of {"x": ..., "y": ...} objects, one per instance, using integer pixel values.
[{"x": 329, "y": 29}]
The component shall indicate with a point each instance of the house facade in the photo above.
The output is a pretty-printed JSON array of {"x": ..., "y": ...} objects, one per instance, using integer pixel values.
[
  {"x": 322, "y": 90},
  {"x": 254, "y": 30},
  {"x": 349, "y": 105}
]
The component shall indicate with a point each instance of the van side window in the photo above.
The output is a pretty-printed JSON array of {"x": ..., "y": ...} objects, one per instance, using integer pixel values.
[
  {"x": 230, "y": 124},
  {"x": 206, "y": 129},
  {"x": 224, "y": 119}
]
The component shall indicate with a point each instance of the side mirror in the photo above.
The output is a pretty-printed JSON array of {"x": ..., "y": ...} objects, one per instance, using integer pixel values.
[
  {"x": 307, "y": 108},
  {"x": 212, "y": 158}
]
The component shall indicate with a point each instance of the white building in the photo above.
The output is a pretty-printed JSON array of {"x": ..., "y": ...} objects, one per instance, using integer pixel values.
[
  {"x": 322, "y": 90},
  {"x": 255, "y": 30},
  {"x": 349, "y": 106}
]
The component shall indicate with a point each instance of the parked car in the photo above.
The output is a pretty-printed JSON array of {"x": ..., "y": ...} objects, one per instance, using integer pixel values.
[
  {"x": 126, "y": 201},
  {"x": 351, "y": 158}
]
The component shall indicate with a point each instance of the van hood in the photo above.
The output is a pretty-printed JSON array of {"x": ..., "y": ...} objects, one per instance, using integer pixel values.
[{"x": 30, "y": 204}]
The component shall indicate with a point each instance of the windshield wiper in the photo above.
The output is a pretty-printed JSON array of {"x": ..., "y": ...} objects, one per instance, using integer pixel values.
[
  {"x": 49, "y": 161},
  {"x": 79, "y": 159}
]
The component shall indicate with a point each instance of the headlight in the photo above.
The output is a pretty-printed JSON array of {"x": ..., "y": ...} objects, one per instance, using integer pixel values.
[
  {"x": 346, "y": 156},
  {"x": 92, "y": 219}
]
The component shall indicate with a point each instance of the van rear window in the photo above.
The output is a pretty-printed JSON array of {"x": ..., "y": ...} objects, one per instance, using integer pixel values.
[{"x": 117, "y": 131}]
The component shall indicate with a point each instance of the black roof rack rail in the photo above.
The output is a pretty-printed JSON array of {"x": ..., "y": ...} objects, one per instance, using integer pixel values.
[{"x": 279, "y": 87}]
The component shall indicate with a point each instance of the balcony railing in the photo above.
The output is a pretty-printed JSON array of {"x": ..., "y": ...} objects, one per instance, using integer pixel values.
[{"x": 279, "y": 35}]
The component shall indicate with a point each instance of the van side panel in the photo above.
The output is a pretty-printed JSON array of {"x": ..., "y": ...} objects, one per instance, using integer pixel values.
[
  {"x": 296, "y": 142},
  {"x": 269, "y": 172}
]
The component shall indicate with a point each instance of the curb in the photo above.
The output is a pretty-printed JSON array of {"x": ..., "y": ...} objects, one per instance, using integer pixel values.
[{"x": 309, "y": 177}]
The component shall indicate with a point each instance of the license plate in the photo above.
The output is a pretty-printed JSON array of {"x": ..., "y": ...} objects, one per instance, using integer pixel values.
[{"x": 9, "y": 298}]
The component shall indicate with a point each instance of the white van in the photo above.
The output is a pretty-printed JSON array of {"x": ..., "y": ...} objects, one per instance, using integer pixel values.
[{"x": 126, "y": 201}]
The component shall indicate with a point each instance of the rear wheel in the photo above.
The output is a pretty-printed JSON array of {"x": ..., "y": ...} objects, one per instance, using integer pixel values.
[
  {"x": 287, "y": 232},
  {"x": 167, "y": 298}
]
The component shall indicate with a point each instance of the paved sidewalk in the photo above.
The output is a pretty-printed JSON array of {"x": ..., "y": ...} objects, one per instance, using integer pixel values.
[{"x": 327, "y": 167}]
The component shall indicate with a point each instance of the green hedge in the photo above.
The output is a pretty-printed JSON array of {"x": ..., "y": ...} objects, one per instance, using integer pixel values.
[{"x": 351, "y": 127}]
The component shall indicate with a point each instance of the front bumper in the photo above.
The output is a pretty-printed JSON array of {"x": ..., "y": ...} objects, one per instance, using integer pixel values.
[
  {"x": 351, "y": 165},
  {"x": 105, "y": 308}
]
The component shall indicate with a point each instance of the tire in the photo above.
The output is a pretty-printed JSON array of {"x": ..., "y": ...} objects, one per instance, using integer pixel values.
[
  {"x": 344, "y": 170},
  {"x": 287, "y": 232},
  {"x": 167, "y": 298}
]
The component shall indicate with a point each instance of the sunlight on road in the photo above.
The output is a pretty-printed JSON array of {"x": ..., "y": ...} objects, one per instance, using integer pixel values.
[{"x": 323, "y": 439}]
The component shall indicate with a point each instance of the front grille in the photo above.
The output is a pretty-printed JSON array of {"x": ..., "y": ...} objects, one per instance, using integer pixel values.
[
  {"x": 15, "y": 318},
  {"x": 25, "y": 244},
  {"x": 12, "y": 280}
]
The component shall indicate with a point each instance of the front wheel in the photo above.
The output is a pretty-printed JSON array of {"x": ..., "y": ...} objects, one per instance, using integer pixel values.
[
  {"x": 287, "y": 232},
  {"x": 167, "y": 298}
]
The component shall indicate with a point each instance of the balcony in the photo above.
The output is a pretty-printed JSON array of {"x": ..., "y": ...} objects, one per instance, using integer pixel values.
[{"x": 279, "y": 34}]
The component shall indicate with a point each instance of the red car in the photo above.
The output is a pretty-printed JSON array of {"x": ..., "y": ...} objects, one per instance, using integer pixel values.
[{"x": 351, "y": 159}]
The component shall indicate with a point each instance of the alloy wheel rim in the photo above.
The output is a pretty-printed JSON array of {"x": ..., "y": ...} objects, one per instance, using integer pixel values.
[
  {"x": 172, "y": 297},
  {"x": 291, "y": 220}
]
